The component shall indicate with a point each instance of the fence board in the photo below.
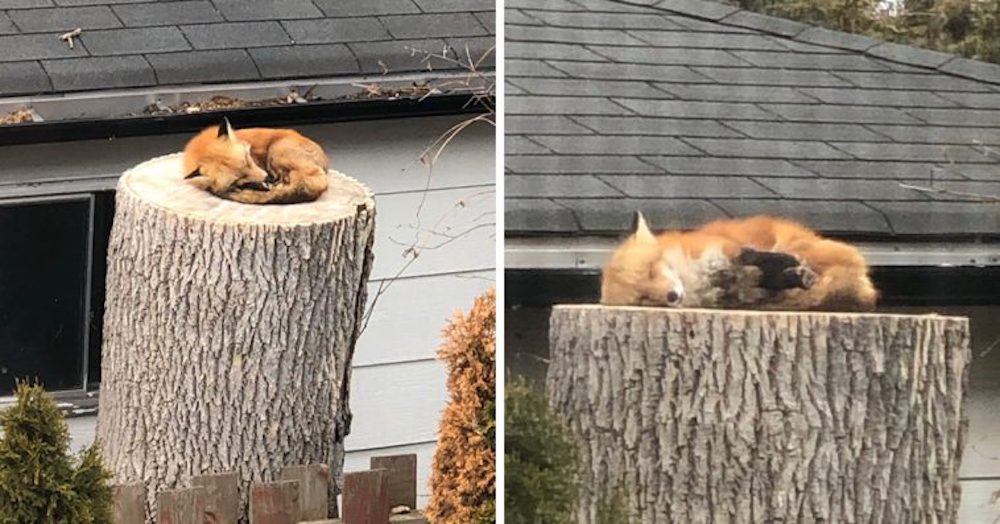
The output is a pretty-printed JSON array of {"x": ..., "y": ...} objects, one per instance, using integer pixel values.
[
  {"x": 274, "y": 502},
  {"x": 366, "y": 497},
  {"x": 402, "y": 478},
  {"x": 314, "y": 486},
  {"x": 181, "y": 506},
  {"x": 129, "y": 504},
  {"x": 221, "y": 496}
]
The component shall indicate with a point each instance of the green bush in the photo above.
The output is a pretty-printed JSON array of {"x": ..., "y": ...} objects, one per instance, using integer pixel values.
[
  {"x": 39, "y": 481},
  {"x": 541, "y": 460},
  {"x": 612, "y": 507}
]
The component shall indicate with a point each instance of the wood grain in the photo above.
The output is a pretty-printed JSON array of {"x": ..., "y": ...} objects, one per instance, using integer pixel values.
[
  {"x": 229, "y": 330},
  {"x": 742, "y": 416}
]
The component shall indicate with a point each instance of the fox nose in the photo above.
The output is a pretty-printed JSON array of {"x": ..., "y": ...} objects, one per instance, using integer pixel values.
[
  {"x": 674, "y": 298},
  {"x": 270, "y": 179}
]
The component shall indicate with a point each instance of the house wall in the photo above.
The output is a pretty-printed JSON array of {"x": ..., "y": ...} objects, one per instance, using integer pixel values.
[{"x": 398, "y": 387}]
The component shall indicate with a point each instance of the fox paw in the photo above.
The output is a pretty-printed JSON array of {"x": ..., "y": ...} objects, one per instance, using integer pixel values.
[
  {"x": 802, "y": 276},
  {"x": 779, "y": 270}
]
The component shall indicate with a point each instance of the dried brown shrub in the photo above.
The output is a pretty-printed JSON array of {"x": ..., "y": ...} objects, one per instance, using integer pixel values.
[{"x": 463, "y": 474}]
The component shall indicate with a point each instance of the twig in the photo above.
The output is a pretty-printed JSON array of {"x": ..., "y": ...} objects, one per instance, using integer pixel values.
[
  {"x": 483, "y": 92},
  {"x": 68, "y": 37},
  {"x": 994, "y": 344},
  {"x": 944, "y": 191}
]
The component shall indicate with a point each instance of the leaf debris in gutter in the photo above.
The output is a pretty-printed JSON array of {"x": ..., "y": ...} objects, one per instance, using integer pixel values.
[
  {"x": 19, "y": 117},
  {"x": 224, "y": 102},
  {"x": 216, "y": 103}
]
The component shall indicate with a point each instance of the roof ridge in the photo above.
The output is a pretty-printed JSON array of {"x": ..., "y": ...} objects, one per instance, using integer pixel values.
[{"x": 727, "y": 15}]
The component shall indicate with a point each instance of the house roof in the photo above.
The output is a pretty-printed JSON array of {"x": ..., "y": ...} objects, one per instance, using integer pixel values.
[
  {"x": 142, "y": 43},
  {"x": 692, "y": 110}
]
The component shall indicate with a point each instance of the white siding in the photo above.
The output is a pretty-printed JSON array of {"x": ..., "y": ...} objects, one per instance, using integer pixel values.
[
  {"x": 398, "y": 386},
  {"x": 979, "y": 504}
]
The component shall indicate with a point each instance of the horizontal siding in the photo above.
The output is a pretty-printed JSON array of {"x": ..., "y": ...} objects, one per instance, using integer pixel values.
[
  {"x": 981, "y": 458},
  {"x": 406, "y": 322},
  {"x": 384, "y": 154},
  {"x": 396, "y": 405},
  {"x": 979, "y": 504},
  {"x": 398, "y": 387},
  {"x": 452, "y": 229}
]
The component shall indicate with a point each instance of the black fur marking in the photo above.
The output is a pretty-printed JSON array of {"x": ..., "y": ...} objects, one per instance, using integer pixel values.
[
  {"x": 254, "y": 186},
  {"x": 636, "y": 218},
  {"x": 224, "y": 127},
  {"x": 779, "y": 270},
  {"x": 194, "y": 174}
]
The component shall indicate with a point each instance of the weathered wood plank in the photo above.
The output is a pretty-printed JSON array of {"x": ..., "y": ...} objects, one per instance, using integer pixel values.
[
  {"x": 314, "y": 486},
  {"x": 274, "y": 502},
  {"x": 366, "y": 497},
  {"x": 181, "y": 506},
  {"x": 361, "y": 460},
  {"x": 402, "y": 478},
  {"x": 222, "y": 498},
  {"x": 129, "y": 504}
]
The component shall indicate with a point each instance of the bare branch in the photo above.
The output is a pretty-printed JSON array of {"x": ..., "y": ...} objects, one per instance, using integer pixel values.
[
  {"x": 945, "y": 191},
  {"x": 68, "y": 37},
  {"x": 483, "y": 93}
]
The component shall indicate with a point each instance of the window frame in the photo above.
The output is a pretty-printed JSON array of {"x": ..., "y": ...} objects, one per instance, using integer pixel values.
[{"x": 90, "y": 198}]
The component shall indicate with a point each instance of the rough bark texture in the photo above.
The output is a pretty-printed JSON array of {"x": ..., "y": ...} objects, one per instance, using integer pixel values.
[
  {"x": 229, "y": 330},
  {"x": 740, "y": 416}
]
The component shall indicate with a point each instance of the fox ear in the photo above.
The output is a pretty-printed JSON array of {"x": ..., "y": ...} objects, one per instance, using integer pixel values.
[
  {"x": 640, "y": 230},
  {"x": 226, "y": 129},
  {"x": 194, "y": 174}
]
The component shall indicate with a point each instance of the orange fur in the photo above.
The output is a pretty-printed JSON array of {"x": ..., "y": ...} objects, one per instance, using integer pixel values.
[
  {"x": 257, "y": 165},
  {"x": 646, "y": 269}
]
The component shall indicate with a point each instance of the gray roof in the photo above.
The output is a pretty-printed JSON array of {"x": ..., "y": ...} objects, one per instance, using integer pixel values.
[
  {"x": 692, "y": 110},
  {"x": 137, "y": 43}
]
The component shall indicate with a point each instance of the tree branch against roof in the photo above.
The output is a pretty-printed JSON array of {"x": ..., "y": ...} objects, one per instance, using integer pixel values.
[
  {"x": 481, "y": 87},
  {"x": 970, "y": 28}
]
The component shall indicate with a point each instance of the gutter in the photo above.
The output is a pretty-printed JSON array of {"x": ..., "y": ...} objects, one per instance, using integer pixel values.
[
  {"x": 121, "y": 113},
  {"x": 590, "y": 253}
]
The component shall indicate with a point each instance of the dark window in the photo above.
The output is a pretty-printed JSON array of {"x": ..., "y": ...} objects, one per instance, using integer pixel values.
[{"x": 45, "y": 263}]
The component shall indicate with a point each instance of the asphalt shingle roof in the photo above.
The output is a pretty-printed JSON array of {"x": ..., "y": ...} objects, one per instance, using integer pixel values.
[
  {"x": 140, "y": 43},
  {"x": 692, "y": 110}
]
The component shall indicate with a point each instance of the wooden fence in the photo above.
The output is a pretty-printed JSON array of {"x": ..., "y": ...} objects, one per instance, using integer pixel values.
[{"x": 385, "y": 493}]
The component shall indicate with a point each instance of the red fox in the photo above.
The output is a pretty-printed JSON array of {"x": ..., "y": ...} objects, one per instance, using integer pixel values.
[
  {"x": 256, "y": 166},
  {"x": 759, "y": 262}
]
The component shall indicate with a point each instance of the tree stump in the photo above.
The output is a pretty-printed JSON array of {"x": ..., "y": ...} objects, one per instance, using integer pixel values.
[
  {"x": 229, "y": 330},
  {"x": 747, "y": 416}
]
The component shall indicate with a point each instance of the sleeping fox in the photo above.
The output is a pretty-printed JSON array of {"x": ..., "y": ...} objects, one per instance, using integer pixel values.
[
  {"x": 256, "y": 166},
  {"x": 758, "y": 262}
]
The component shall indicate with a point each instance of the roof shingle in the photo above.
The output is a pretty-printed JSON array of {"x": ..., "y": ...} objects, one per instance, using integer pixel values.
[
  {"x": 691, "y": 110},
  {"x": 202, "y": 41}
]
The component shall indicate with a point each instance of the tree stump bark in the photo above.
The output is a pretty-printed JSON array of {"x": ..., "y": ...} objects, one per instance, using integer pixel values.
[
  {"x": 229, "y": 330},
  {"x": 745, "y": 416}
]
